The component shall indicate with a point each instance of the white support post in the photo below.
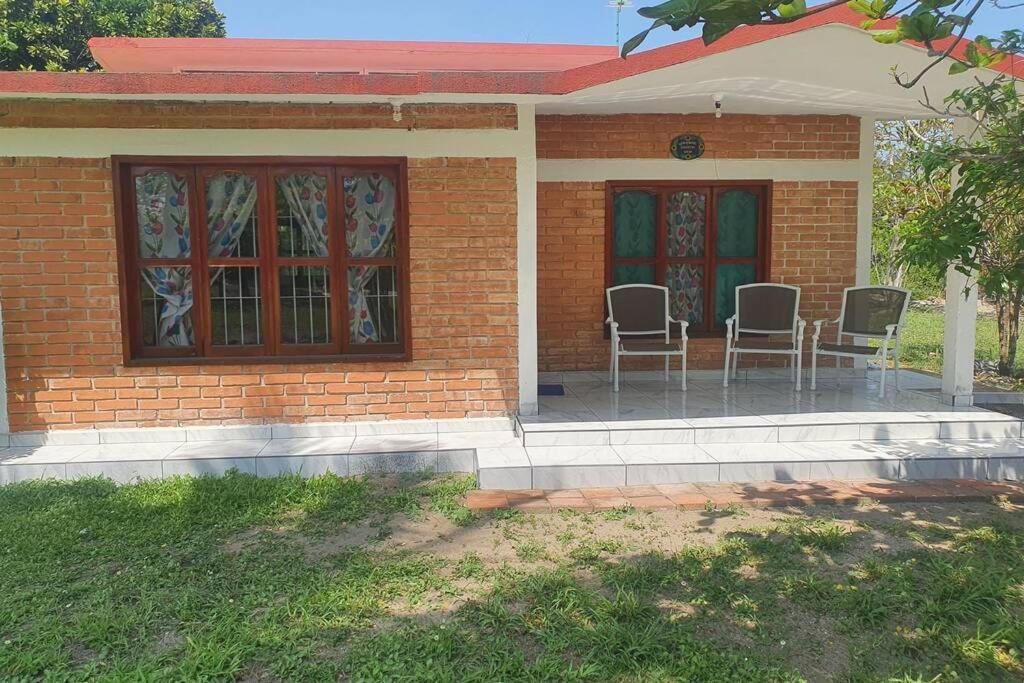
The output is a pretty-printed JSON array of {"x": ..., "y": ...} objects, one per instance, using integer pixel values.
[
  {"x": 5, "y": 424},
  {"x": 958, "y": 347},
  {"x": 865, "y": 212},
  {"x": 961, "y": 320},
  {"x": 526, "y": 248}
]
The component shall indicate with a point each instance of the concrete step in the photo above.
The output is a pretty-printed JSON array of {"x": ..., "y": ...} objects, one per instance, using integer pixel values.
[
  {"x": 599, "y": 465},
  {"x": 856, "y": 425}
]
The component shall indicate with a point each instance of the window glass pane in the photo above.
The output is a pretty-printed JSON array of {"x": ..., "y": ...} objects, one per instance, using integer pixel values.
[
  {"x": 161, "y": 204},
  {"x": 369, "y": 215},
  {"x": 727, "y": 278},
  {"x": 686, "y": 292},
  {"x": 634, "y": 225},
  {"x": 231, "y": 216},
  {"x": 737, "y": 224},
  {"x": 166, "y": 295},
  {"x": 685, "y": 224},
  {"x": 302, "y": 225},
  {"x": 305, "y": 305},
  {"x": 633, "y": 274},
  {"x": 235, "y": 306},
  {"x": 373, "y": 304}
]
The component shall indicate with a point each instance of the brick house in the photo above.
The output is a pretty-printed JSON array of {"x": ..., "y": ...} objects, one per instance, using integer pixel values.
[{"x": 220, "y": 232}]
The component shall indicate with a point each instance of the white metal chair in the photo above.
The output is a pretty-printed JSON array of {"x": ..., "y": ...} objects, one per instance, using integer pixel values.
[
  {"x": 765, "y": 309},
  {"x": 642, "y": 310},
  {"x": 870, "y": 312}
]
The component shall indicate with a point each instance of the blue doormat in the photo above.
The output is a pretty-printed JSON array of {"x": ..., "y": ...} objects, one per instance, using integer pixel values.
[{"x": 550, "y": 390}]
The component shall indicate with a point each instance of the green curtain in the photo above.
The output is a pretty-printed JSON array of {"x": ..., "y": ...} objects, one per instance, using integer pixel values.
[
  {"x": 631, "y": 274},
  {"x": 634, "y": 217},
  {"x": 737, "y": 224},
  {"x": 727, "y": 278}
]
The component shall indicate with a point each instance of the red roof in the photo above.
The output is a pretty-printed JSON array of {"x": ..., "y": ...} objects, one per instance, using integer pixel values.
[
  {"x": 175, "y": 55},
  {"x": 283, "y": 67}
]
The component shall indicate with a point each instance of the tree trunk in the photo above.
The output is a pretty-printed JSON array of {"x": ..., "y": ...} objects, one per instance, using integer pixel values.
[{"x": 1008, "y": 318}]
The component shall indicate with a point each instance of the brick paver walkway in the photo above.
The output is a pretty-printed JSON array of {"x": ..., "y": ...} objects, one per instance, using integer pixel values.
[{"x": 764, "y": 494}]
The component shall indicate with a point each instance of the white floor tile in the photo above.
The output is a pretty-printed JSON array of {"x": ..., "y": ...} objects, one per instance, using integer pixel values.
[{"x": 336, "y": 445}]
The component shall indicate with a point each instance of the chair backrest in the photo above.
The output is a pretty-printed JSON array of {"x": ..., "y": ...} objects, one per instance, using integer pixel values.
[
  {"x": 767, "y": 308},
  {"x": 639, "y": 309},
  {"x": 867, "y": 310}
]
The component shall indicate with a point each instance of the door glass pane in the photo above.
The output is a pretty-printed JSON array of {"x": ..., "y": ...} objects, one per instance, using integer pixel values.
[
  {"x": 305, "y": 305},
  {"x": 231, "y": 216},
  {"x": 632, "y": 274},
  {"x": 301, "y": 205},
  {"x": 737, "y": 224},
  {"x": 161, "y": 204},
  {"x": 727, "y": 278},
  {"x": 166, "y": 295},
  {"x": 235, "y": 306},
  {"x": 373, "y": 304},
  {"x": 634, "y": 225},
  {"x": 685, "y": 224},
  {"x": 369, "y": 215},
  {"x": 686, "y": 292}
]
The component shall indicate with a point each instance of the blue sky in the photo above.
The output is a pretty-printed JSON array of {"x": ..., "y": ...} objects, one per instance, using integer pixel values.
[{"x": 535, "y": 21}]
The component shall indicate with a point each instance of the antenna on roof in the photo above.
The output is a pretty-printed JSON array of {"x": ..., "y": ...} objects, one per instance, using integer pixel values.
[{"x": 618, "y": 6}]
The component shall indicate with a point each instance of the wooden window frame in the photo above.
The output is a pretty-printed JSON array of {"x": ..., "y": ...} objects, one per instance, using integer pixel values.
[
  {"x": 712, "y": 189},
  {"x": 196, "y": 169}
]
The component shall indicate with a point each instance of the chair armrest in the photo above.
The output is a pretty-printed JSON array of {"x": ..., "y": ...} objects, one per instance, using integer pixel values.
[
  {"x": 801, "y": 325},
  {"x": 819, "y": 323},
  {"x": 683, "y": 324},
  {"x": 890, "y": 331},
  {"x": 609, "y": 321},
  {"x": 729, "y": 322}
]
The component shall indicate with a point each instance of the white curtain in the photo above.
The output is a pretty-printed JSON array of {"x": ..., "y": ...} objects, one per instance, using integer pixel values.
[
  {"x": 174, "y": 286},
  {"x": 369, "y": 233}
]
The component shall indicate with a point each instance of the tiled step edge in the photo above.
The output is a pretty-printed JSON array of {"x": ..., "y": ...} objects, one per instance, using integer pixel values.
[
  {"x": 88, "y": 437},
  {"x": 720, "y": 496}
]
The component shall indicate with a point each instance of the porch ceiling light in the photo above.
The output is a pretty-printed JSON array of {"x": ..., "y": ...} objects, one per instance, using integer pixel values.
[
  {"x": 396, "y": 111},
  {"x": 718, "y": 105}
]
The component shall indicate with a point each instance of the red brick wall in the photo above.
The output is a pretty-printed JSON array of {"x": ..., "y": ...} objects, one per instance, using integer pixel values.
[
  {"x": 247, "y": 115},
  {"x": 59, "y": 293},
  {"x": 648, "y": 136}
]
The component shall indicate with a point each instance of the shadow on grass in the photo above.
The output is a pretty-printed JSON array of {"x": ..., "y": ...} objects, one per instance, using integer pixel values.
[{"x": 106, "y": 581}]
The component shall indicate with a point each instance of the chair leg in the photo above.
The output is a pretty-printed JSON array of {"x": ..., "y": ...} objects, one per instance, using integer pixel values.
[
  {"x": 814, "y": 369},
  {"x": 799, "y": 367},
  {"x": 666, "y": 368},
  {"x": 684, "y": 366},
  {"x": 725, "y": 375},
  {"x": 881, "y": 381},
  {"x": 611, "y": 366},
  {"x": 615, "y": 372},
  {"x": 735, "y": 364},
  {"x": 896, "y": 364}
]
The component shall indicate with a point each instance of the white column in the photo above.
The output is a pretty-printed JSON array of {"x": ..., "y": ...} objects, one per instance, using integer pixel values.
[
  {"x": 865, "y": 210},
  {"x": 5, "y": 424},
  {"x": 526, "y": 243},
  {"x": 961, "y": 321},
  {"x": 958, "y": 352}
]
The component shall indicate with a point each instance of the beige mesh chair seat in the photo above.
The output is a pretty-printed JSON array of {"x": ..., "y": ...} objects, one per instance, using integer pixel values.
[
  {"x": 765, "y": 310},
  {"x": 641, "y": 326},
  {"x": 867, "y": 313}
]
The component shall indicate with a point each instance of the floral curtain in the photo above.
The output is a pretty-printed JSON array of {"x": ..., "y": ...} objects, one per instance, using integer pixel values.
[
  {"x": 174, "y": 287},
  {"x": 230, "y": 200},
  {"x": 685, "y": 224},
  {"x": 369, "y": 233},
  {"x": 161, "y": 200},
  {"x": 686, "y": 292},
  {"x": 306, "y": 194}
]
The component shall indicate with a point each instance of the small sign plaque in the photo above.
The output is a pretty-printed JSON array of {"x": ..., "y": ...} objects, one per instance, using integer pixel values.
[{"x": 687, "y": 147}]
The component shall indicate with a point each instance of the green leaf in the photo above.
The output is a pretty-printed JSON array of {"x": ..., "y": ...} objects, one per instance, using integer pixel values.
[
  {"x": 666, "y": 8},
  {"x": 714, "y": 31},
  {"x": 793, "y": 9},
  {"x": 888, "y": 37},
  {"x": 957, "y": 68},
  {"x": 634, "y": 42}
]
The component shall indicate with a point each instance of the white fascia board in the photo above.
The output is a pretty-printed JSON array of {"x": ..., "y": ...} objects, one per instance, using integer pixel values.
[
  {"x": 599, "y": 170},
  {"x": 103, "y": 142}
]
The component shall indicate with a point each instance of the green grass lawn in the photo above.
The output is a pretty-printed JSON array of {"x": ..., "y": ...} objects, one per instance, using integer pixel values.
[
  {"x": 923, "y": 341},
  {"x": 290, "y": 579}
]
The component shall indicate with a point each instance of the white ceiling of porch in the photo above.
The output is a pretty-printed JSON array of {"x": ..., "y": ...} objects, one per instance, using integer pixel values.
[{"x": 831, "y": 69}]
